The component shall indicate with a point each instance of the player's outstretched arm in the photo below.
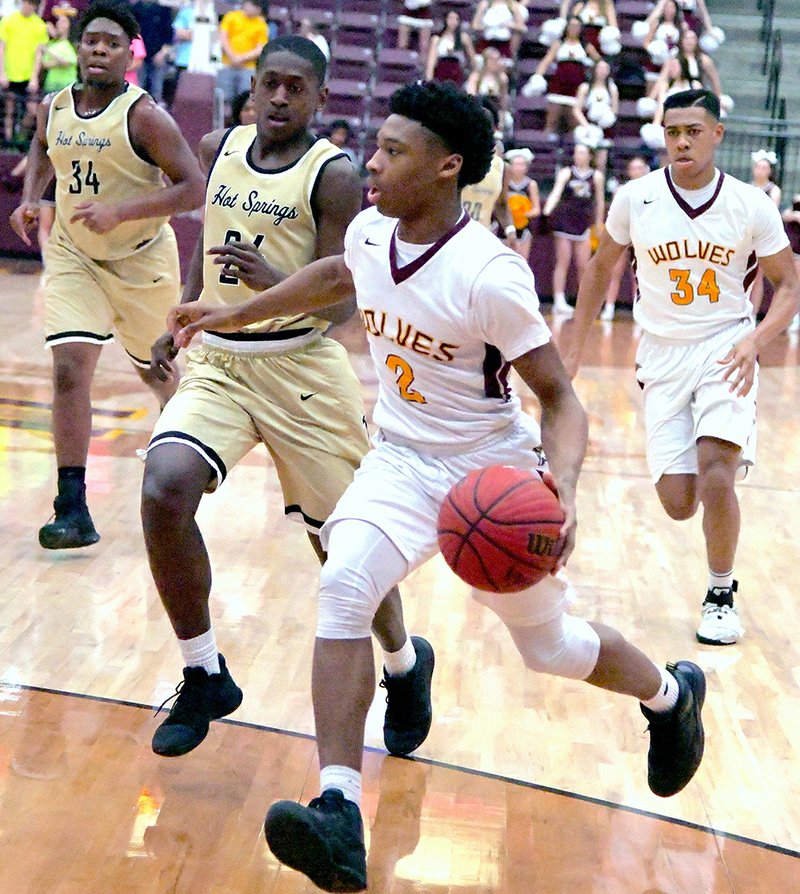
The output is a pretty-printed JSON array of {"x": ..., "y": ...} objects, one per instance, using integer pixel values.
[
  {"x": 38, "y": 174},
  {"x": 565, "y": 431},
  {"x": 591, "y": 296},
  {"x": 322, "y": 283}
]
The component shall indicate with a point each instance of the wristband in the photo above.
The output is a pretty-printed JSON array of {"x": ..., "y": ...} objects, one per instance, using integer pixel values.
[{"x": 510, "y": 230}]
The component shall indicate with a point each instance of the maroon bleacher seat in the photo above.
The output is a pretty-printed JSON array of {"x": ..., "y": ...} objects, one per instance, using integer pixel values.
[
  {"x": 358, "y": 29},
  {"x": 529, "y": 112},
  {"x": 351, "y": 63},
  {"x": 346, "y": 98},
  {"x": 398, "y": 66},
  {"x": 379, "y": 104},
  {"x": 373, "y": 7}
]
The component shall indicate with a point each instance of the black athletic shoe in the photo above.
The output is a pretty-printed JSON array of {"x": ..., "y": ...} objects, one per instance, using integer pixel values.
[
  {"x": 70, "y": 527},
  {"x": 676, "y": 736},
  {"x": 408, "y": 702},
  {"x": 201, "y": 698},
  {"x": 325, "y": 840}
]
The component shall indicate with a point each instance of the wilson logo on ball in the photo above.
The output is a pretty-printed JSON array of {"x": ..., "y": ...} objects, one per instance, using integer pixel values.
[{"x": 542, "y": 545}]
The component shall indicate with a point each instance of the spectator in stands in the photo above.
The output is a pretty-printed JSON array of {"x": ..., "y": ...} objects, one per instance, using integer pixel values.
[
  {"x": 762, "y": 172},
  {"x": 416, "y": 17},
  {"x": 243, "y": 109},
  {"x": 499, "y": 24},
  {"x": 691, "y": 69},
  {"x": 636, "y": 167},
  {"x": 572, "y": 58},
  {"x": 791, "y": 223},
  {"x": 523, "y": 198},
  {"x": 451, "y": 54},
  {"x": 56, "y": 61},
  {"x": 340, "y": 134},
  {"x": 242, "y": 34},
  {"x": 661, "y": 31},
  {"x": 597, "y": 106},
  {"x": 21, "y": 34},
  {"x": 138, "y": 52},
  {"x": 695, "y": 14},
  {"x": 594, "y": 15},
  {"x": 155, "y": 29},
  {"x": 575, "y": 204},
  {"x": 489, "y": 78},
  {"x": 73, "y": 9},
  {"x": 310, "y": 30},
  {"x": 183, "y": 35}
]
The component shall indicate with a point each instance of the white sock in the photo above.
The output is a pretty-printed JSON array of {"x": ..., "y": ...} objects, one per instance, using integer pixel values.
[
  {"x": 201, "y": 651},
  {"x": 667, "y": 696},
  {"x": 402, "y": 661},
  {"x": 346, "y": 779},
  {"x": 720, "y": 581},
  {"x": 559, "y": 298}
]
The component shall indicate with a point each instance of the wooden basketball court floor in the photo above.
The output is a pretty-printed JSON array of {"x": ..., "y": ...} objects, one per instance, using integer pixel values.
[{"x": 526, "y": 783}]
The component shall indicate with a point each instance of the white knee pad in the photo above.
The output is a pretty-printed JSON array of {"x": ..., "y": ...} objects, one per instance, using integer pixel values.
[
  {"x": 564, "y": 647},
  {"x": 362, "y": 566}
]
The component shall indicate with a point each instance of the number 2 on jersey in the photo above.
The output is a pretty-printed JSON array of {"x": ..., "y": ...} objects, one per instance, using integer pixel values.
[
  {"x": 235, "y": 236},
  {"x": 405, "y": 376},
  {"x": 684, "y": 291}
]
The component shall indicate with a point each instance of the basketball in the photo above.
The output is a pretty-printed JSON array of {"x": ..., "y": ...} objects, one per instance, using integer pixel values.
[{"x": 499, "y": 529}]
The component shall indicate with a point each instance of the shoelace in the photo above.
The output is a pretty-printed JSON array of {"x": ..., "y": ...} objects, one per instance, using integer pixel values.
[{"x": 175, "y": 694}]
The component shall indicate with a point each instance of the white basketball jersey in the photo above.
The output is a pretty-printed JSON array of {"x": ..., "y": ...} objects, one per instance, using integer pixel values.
[
  {"x": 694, "y": 266},
  {"x": 442, "y": 330}
]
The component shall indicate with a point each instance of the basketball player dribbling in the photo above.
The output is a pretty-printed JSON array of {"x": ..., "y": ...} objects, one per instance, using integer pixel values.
[
  {"x": 111, "y": 264},
  {"x": 698, "y": 236},
  {"x": 446, "y": 307},
  {"x": 276, "y": 199}
]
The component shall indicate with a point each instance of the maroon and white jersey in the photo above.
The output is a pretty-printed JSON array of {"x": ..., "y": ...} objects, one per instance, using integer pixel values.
[
  {"x": 443, "y": 321},
  {"x": 695, "y": 251}
]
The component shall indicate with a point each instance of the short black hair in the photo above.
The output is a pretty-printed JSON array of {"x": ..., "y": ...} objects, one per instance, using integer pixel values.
[
  {"x": 238, "y": 104},
  {"x": 687, "y": 99},
  {"x": 490, "y": 104},
  {"x": 116, "y": 11},
  {"x": 298, "y": 46},
  {"x": 340, "y": 124},
  {"x": 456, "y": 118}
]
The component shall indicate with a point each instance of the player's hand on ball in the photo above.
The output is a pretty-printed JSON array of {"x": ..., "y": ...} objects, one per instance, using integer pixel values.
[
  {"x": 741, "y": 362},
  {"x": 568, "y": 529},
  {"x": 244, "y": 261},
  {"x": 24, "y": 219},
  {"x": 97, "y": 217}
]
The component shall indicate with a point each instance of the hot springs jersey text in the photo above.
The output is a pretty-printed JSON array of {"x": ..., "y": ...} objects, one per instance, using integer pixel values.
[
  {"x": 270, "y": 208},
  {"x": 694, "y": 266},
  {"x": 94, "y": 161},
  {"x": 441, "y": 330}
]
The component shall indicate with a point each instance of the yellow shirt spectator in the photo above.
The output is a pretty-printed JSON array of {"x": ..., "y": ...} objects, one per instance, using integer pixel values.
[
  {"x": 21, "y": 33},
  {"x": 245, "y": 33}
]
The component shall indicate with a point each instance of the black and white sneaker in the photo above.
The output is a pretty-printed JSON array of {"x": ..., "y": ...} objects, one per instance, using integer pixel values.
[
  {"x": 409, "y": 711},
  {"x": 70, "y": 528},
  {"x": 201, "y": 698},
  {"x": 720, "y": 625},
  {"x": 677, "y": 739},
  {"x": 324, "y": 841}
]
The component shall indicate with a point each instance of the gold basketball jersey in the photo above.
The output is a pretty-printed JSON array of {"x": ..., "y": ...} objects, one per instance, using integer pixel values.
[
  {"x": 479, "y": 199},
  {"x": 94, "y": 161},
  {"x": 270, "y": 208}
]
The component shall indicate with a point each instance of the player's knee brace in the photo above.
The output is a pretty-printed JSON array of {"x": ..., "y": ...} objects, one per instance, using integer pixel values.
[
  {"x": 564, "y": 647},
  {"x": 362, "y": 566}
]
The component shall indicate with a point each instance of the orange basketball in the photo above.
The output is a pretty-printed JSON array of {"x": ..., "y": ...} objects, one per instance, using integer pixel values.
[{"x": 499, "y": 529}]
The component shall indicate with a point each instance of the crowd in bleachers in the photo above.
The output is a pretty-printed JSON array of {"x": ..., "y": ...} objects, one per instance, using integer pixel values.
[{"x": 562, "y": 73}]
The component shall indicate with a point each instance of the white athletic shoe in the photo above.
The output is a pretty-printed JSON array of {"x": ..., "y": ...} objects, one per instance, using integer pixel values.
[
  {"x": 607, "y": 313},
  {"x": 720, "y": 625},
  {"x": 563, "y": 309},
  {"x": 794, "y": 326}
]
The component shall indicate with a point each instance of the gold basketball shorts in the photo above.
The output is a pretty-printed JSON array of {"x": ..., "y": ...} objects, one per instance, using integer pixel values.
[
  {"x": 92, "y": 301},
  {"x": 302, "y": 401}
]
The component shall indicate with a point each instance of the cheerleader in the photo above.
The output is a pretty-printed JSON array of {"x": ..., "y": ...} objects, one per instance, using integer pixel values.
[
  {"x": 597, "y": 105},
  {"x": 523, "y": 198},
  {"x": 791, "y": 223},
  {"x": 576, "y": 202},
  {"x": 762, "y": 173},
  {"x": 571, "y": 60},
  {"x": 451, "y": 54},
  {"x": 500, "y": 24}
]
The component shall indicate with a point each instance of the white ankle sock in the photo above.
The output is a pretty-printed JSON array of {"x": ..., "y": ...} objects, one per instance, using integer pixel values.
[
  {"x": 559, "y": 298},
  {"x": 667, "y": 696},
  {"x": 402, "y": 661},
  {"x": 346, "y": 779},
  {"x": 201, "y": 651},
  {"x": 720, "y": 581}
]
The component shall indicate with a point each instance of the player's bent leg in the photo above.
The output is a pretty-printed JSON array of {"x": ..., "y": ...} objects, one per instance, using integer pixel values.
[
  {"x": 73, "y": 368},
  {"x": 174, "y": 481},
  {"x": 678, "y": 495},
  {"x": 718, "y": 463}
]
